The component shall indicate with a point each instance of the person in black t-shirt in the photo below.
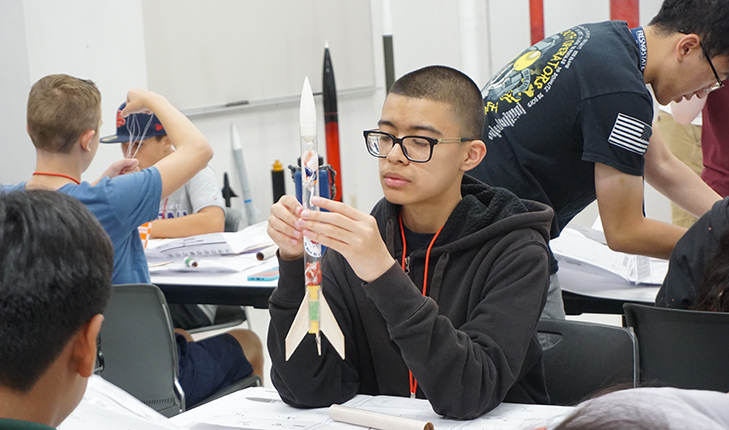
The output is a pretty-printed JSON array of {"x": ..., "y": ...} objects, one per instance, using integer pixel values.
[{"x": 568, "y": 122}]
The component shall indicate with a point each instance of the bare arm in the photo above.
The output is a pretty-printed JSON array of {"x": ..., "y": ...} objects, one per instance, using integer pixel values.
[
  {"x": 209, "y": 220},
  {"x": 192, "y": 149},
  {"x": 620, "y": 203},
  {"x": 675, "y": 180},
  {"x": 118, "y": 168}
]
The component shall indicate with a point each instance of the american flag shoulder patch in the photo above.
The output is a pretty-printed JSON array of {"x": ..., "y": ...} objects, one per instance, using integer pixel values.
[{"x": 630, "y": 134}]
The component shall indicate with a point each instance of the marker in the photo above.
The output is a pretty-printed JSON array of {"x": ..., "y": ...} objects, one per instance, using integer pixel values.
[
  {"x": 314, "y": 315},
  {"x": 331, "y": 122},
  {"x": 190, "y": 262}
]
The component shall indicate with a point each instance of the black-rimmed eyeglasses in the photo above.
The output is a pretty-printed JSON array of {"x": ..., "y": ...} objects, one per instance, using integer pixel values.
[
  {"x": 718, "y": 83},
  {"x": 418, "y": 149}
]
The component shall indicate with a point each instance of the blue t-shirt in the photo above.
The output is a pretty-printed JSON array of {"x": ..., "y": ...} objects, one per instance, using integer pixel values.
[{"x": 121, "y": 205}]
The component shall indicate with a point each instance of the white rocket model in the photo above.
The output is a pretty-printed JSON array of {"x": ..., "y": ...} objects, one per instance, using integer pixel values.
[
  {"x": 242, "y": 175},
  {"x": 314, "y": 315}
]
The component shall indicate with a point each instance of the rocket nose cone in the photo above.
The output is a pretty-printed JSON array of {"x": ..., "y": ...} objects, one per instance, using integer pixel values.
[{"x": 307, "y": 110}]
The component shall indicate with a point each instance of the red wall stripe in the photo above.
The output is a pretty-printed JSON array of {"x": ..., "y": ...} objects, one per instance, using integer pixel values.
[
  {"x": 626, "y": 10},
  {"x": 536, "y": 18}
]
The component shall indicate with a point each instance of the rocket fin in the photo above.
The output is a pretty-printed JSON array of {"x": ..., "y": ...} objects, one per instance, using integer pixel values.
[
  {"x": 329, "y": 326},
  {"x": 299, "y": 327}
]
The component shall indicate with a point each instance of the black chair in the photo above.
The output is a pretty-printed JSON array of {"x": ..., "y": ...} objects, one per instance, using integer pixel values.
[
  {"x": 140, "y": 353},
  {"x": 583, "y": 358},
  {"x": 681, "y": 348}
]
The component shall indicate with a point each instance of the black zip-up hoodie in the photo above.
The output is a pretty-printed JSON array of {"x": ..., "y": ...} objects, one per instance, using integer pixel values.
[
  {"x": 689, "y": 258},
  {"x": 471, "y": 344}
]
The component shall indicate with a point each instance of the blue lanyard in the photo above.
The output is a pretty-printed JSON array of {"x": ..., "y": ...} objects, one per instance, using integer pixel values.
[{"x": 639, "y": 36}]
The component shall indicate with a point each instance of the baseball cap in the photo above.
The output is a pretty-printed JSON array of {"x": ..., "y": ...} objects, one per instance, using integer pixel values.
[{"x": 133, "y": 127}]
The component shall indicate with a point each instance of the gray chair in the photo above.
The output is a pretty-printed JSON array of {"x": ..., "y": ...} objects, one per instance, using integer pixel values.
[
  {"x": 232, "y": 219},
  {"x": 582, "y": 358},
  {"x": 140, "y": 352},
  {"x": 681, "y": 348}
]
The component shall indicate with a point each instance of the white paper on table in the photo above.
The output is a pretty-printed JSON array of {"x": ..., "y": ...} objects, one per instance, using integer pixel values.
[
  {"x": 212, "y": 264},
  {"x": 262, "y": 409},
  {"x": 250, "y": 239},
  {"x": 106, "y": 406},
  {"x": 637, "y": 269}
]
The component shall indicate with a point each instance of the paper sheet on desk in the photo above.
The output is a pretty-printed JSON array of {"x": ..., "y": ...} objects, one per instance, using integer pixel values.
[
  {"x": 249, "y": 239},
  {"x": 106, "y": 406},
  {"x": 262, "y": 409},
  {"x": 637, "y": 269},
  {"x": 212, "y": 264}
]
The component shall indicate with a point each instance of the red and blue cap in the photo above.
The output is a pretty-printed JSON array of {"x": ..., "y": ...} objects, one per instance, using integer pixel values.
[{"x": 132, "y": 128}]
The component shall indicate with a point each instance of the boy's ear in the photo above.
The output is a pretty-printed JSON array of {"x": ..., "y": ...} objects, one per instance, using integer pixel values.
[
  {"x": 84, "y": 350},
  {"x": 85, "y": 139},
  {"x": 166, "y": 141},
  {"x": 476, "y": 152},
  {"x": 686, "y": 44}
]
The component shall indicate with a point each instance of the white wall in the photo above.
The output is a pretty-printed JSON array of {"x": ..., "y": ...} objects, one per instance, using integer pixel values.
[
  {"x": 104, "y": 40},
  {"x": 18, "y": 157}
]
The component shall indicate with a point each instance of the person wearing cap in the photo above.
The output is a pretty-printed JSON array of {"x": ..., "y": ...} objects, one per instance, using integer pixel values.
[
  {"x": 195, "y": 208},
  {"x": 63, "y": 121}
]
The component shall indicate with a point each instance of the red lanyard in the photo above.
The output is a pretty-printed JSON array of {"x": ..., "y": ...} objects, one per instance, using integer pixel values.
[
  {"x": 59, "y": 175},
  {"x": 413, "y": 381}
]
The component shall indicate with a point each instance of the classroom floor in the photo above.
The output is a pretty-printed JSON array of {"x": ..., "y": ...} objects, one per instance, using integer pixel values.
[{"x": 259, "y": 322}]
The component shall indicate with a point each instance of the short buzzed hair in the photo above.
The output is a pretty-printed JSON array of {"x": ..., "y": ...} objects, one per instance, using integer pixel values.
[
  {"x": 709, "y": 19},
  {"x": 55, "y": 274},
  {"x": 447, "y": 85},
  {"x": 60, "y": 109}
]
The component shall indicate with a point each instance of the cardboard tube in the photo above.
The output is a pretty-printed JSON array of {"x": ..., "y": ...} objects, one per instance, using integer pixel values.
[
  {"x": 266, "y": 253},
  {"x": 375, "y": 420}
]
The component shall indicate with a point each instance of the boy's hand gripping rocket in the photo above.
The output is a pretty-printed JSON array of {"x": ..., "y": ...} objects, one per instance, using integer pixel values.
[{"x": 314, "y": 314}]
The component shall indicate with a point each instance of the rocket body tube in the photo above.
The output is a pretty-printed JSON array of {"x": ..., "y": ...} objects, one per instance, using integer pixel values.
[{"x": 314, "y": 315}]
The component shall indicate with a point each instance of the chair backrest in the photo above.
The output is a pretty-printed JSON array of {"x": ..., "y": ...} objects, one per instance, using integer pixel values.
[
  {"x": 581, "y": 358},
  {"x": 232, "y": 219},
  {"x": 681, "y": 348},
  {"x": 140, "y": 353}
]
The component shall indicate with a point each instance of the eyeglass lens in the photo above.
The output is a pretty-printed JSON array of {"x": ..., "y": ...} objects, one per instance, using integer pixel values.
[{"x": 414, "y": 148}]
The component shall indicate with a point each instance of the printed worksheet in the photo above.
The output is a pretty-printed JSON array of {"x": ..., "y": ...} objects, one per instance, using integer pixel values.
[{"x": 262, "y": 409}]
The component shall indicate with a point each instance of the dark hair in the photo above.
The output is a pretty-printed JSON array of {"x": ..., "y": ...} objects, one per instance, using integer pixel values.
[
  {"x": 709, "y": 19},
  {"x": 596, "y": 415},
  {"x": 713, "y": 294},
  {"x": 444, "y": 84},
  {"x": 55, "y": 275},
  {"x": 60, "y": 109}
]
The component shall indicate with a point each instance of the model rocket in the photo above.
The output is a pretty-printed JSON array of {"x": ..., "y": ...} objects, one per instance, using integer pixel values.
[
  {"x": 331, "y": 121},
  {"x": 242, "y": 175},
  {"x": 314, "y": 315}
]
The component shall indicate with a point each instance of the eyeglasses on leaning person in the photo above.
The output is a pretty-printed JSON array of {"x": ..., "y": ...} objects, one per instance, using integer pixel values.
[
  {"x": 418, "y": 149},
  {"x": 718, "y": 83}
]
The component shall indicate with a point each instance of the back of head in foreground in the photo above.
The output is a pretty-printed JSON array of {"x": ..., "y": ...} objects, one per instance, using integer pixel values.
[
  {"x": 55, "y": 281},
  {"x": 651, "y": 408}
]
